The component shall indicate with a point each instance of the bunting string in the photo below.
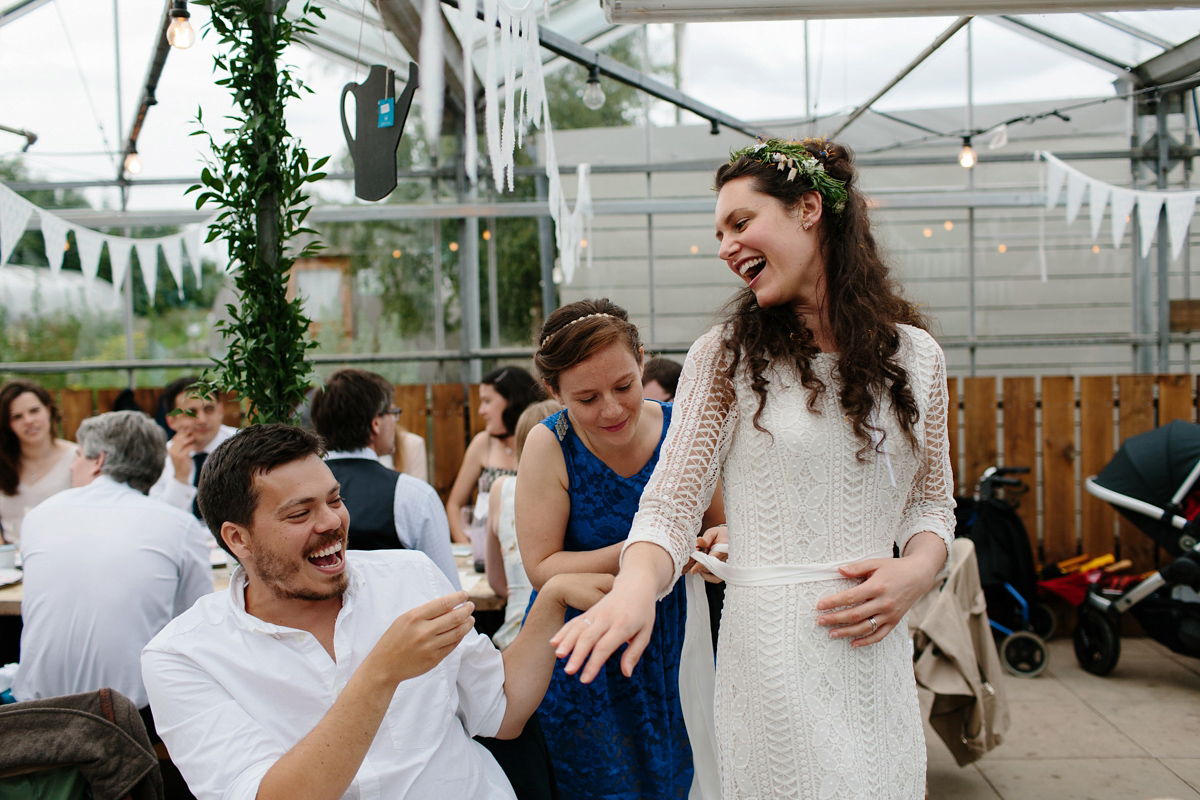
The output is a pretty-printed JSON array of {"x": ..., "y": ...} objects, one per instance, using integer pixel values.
[
  {"x": 16, "y": 211},
  {"x": 1180, "y": 206}
]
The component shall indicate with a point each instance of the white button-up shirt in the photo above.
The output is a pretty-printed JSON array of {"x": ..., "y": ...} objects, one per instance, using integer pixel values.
[
  {"x": 106, "y": 567},
  {"x": 419, "y": 516},
  {"x": 181, "y": 495},
  {"x": 232, "y": 694}
]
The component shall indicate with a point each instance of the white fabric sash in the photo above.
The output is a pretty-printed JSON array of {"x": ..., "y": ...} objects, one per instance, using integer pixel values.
[{"x": 697, "y": 671}]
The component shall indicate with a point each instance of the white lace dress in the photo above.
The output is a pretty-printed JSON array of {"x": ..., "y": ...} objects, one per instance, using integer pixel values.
[{"x": 800, "y": 715}]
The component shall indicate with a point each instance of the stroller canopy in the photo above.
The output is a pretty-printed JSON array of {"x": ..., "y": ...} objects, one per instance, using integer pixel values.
[{"x": 1151, "y": 467}]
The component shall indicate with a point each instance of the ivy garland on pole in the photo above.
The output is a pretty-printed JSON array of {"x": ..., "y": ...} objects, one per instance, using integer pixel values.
[{"x": 257, "y": 178}]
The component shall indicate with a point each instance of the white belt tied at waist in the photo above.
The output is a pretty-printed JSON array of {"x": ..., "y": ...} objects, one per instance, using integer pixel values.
[{"x": 697, "y": 671}]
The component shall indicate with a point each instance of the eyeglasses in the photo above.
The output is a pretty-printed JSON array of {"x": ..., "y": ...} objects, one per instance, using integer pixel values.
[{"x": 395, "y": 412}]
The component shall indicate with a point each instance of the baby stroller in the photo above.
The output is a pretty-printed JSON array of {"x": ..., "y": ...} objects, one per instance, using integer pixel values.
[
  {"x": 1150, "y": 481},
  {"x": 1006, "y": 571}
]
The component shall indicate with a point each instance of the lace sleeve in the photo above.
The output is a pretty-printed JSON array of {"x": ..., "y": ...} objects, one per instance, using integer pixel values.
[
  {"x": 702, "y": 422},
  {"x": 930, "y": 504}
]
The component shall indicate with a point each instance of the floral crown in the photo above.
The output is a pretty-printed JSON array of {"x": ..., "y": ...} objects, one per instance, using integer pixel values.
[
  {"x": 795, "y": 157},
  {"x": 550, "y": 336}
]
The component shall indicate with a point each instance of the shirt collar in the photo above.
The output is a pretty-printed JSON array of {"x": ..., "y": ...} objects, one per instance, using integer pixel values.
[
  {"x": 362, "y": 452},
  {"x": 237, "y": 599}
]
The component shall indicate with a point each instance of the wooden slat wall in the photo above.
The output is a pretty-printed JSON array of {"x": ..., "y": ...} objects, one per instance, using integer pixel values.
[
  {"x": 1096, "y": 449},
  {"x": 979, "y": 428},
  {"x": 1020, "y": 443},
  {"x": 1039, "y": 427},
  {"x": 1135, "y": 394},
  {"x": 1058, "y": 469}
]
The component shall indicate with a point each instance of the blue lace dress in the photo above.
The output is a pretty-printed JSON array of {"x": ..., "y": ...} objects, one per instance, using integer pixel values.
[{"x": 617, "y": 737}]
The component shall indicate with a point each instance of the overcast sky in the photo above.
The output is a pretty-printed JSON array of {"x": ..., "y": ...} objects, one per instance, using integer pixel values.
[{"x": 58, "y": 79}]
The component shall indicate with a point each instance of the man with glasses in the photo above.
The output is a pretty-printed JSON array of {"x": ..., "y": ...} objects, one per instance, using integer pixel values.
[{"x": 353, "y": 413}]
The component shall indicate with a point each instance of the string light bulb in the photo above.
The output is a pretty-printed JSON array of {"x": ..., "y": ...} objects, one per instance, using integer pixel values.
[
  {"x": 133, "y": 164},
  {"x": 180, "y": 33},
  {"x": 593, "y": 92},
  {"x": 966, "y": 156}
]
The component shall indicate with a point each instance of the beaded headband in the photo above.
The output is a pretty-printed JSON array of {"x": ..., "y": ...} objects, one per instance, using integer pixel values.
[
  {"x": 550, "y": 336},
  {"x": 796, "y": 158}
]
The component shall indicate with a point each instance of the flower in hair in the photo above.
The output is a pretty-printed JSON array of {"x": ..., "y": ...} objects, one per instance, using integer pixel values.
[{"x": 794, "y": 157}]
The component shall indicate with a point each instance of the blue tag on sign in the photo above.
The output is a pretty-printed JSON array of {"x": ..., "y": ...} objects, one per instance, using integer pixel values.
[{"x": 387, "y": 112}]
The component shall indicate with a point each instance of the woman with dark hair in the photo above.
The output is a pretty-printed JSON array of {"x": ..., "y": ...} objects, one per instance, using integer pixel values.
[
  {"x": 820, "y": 402},
  {"x": 582, "y": 473},
  {"x": 34, "y": 464},
  {"x": 503, "y": 395}
]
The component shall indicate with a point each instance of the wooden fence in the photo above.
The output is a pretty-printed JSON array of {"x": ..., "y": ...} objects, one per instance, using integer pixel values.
[{"x": 1064, "y": 428}]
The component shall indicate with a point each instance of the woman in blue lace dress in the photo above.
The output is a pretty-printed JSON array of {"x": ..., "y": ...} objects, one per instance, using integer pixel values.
[{"x": 578, "y": 488}]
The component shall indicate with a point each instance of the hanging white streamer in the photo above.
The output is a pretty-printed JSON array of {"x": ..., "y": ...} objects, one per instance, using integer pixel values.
[
  {"x": 471, "y": 150},
  {"x": 15, "y": 212},
  {"x": 54, "y": 236},
  {"x": 432, "y": 79}
]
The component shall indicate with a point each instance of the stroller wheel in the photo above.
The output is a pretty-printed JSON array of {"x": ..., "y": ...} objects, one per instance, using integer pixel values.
[
  {"x": 1024, "y": 654},
  {"x": 1043, "y": 620},
  {"x": 1097, "y": 644}
]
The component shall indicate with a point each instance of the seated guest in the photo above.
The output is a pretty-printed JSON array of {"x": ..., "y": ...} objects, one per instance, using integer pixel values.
[
  {"x": 198, "y": 431},
  {"x": 106, "y": 567},
  {"x": 34, "y": 463},
  {"x": 353, "y": 413},
  {"x": 660, "y": 376},
  {"x": 323, "y": 673}
]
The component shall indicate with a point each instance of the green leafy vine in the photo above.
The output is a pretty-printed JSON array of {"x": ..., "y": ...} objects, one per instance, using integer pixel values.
[{"x": 257, "y": 178}]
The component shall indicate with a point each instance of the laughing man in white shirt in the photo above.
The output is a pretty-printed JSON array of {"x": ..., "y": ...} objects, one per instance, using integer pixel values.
[{"x": 325, "y": 674}]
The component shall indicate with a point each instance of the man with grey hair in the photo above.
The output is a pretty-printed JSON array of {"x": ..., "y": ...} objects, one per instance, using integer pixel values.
[{"x": 106, "y": 566}]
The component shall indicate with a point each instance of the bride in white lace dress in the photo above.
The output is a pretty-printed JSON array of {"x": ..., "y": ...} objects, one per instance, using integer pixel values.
[{"x": 821, "y": 403}]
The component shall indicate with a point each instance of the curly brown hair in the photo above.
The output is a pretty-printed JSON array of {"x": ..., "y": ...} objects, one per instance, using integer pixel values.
[{"x": 863, "y": 300}]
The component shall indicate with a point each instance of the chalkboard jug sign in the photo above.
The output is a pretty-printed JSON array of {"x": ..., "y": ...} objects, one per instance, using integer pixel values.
[{"x": 379, "y": 118}]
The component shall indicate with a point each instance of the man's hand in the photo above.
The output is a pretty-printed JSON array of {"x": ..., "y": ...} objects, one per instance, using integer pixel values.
[
  {"x": 419, "y": 639},
  {"x": 180, "y": 450},
  {"x": 578, "y": 590}
]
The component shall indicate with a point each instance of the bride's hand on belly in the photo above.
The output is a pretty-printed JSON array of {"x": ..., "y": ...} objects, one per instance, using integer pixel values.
[{"x": 872, "y": 609}]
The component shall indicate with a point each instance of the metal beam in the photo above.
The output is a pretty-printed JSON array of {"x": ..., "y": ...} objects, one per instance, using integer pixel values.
[
  {"x": 944, "y": 37},
  {"x": 18, "y": 10},
  {"x": 1174, "y": 65},
  {"x": 1073, "y": 49},
  {"x": 30, "y": 136},
  {"x": 149, "y": 87},
  {"x": 1134, "y": 31}
]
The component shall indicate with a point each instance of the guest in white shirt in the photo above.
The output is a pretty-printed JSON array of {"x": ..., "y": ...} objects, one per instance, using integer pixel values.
[
  {"x": 353, "y": 413},
  {"x": 106, "y": 567},
  {"x": 324, "y": 674},
  {"x": 198, "y": 431}
]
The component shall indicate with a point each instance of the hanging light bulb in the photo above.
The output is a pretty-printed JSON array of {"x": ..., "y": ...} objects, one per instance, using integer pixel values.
[
  {"x": 133, "y": 164},
  {"x": 967, "y": 156},
  {"x": 593, "y": 92},
  {"x": 180, "y": 33}
]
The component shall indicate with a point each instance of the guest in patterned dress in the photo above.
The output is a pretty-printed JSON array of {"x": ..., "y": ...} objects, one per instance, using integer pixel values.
[
  {"x": 581, "y": 475},
  {"x": 820, "y": 402}
]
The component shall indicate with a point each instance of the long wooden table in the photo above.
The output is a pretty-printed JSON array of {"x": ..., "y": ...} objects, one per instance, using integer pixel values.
[{"x": 475, "y": 583}]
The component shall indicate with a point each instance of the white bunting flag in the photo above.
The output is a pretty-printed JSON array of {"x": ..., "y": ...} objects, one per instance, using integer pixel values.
[
  {"x": 54, "y": 234},
  {"x": 147, "y": 252},
  {"x": 1077, "y": 184},
  {"x": 173, "y": 252},
  {"x": 1149, "y": 204},
  {"x": 191, "y": 240},
  {"x": 1180, "y": 208},
  {"x": 1055, "y": 177},
  {"x": 1122, "y": 207},
  {"x": 119, "y": 249},
  {"x": 15, "y": 212},
  {"x": 90, "y": 244},
  {"x": 1097, "y": 200}
]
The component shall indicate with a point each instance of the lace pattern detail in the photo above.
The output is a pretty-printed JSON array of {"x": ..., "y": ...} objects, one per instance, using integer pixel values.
[{"x": 799, "y": 714}]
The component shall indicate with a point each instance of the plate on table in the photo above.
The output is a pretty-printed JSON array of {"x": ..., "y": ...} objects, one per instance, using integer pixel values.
[{"x": 9, "y": 576}]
